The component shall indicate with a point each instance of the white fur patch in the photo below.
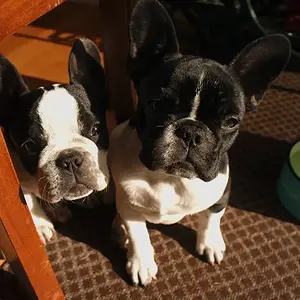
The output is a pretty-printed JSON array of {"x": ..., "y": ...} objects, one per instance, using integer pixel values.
[
  {"x": 209, "y": 236},
  {"x": 195, "y": 107},
  {"x": 141, "y": 265},
  {"x": 58, "y": 112},
  {"x": 42, "y": 223},
  {"x": 197, "y": 100},
  {"x": 102, "y": 163}
]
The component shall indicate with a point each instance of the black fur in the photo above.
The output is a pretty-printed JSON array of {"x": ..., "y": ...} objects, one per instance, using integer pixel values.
[
  {"x": 168, "y": 84},
  {"x": 222, "y": 203},
  {"x": 91, "y": 111}
]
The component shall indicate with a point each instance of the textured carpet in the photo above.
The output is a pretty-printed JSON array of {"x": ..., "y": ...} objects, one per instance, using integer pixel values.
[{"x": 263, "y": 240}]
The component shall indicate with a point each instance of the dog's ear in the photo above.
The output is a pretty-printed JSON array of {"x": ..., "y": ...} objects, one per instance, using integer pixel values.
[
  {"x": 259, "y": 64},
  {"x": 11, "y": 87},
  {"x": 85, "y": 66},
  {"x": 152, "y": 37}
]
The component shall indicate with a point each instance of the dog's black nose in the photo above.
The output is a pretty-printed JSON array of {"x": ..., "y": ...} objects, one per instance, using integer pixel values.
[
  {"x": 189, "y": 136},
  {"x": 70, "y": 160}
]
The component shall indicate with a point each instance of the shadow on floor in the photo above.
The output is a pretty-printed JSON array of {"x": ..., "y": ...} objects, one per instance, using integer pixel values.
[
  {"x": 93, "y": 227},
  {"x": 256, "y": 163}
]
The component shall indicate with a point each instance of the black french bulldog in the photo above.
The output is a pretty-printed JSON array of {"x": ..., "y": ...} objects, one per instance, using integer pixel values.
[{"x": 170, "y": 159}]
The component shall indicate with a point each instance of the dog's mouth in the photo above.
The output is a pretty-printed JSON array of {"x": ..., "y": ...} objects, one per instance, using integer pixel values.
[
  {"x": 182, "y": 168},
  {"x": 54, "y": 191},
  {"x": 78, "y": 191},
  {"x": 178, "y": 168},
  {"x": 185, "y": 169}
]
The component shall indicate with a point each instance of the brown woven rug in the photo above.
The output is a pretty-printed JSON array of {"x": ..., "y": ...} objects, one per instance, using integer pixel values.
[{"x": 263, "y": 240}]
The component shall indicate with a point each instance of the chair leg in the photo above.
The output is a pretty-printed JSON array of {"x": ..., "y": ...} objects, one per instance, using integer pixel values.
[
  {"x": 18, "y": 237},
  {"x": 114, "y": 16}
]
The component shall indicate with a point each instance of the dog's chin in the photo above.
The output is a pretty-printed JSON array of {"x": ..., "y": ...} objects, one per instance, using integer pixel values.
[
  {"x": 182, "y": 169},
  {"x": 178, "y": 169},
  {"x": 77, "y": 192},
  {"x": 187, "y": 170},
  {"x": 71, "y": 191}
]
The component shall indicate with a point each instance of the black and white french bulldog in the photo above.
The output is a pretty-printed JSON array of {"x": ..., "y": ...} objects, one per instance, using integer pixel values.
[
  {"x": 57, "y": 136},
  {"x": 170, "y": 160}
]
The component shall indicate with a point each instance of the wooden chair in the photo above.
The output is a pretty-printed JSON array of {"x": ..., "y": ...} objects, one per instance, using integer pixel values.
[{"x": 18, "y": 238}]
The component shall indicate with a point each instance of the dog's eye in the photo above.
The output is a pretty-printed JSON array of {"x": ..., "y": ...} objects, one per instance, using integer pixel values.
[
  {"x": 95, "y": 129},
  {"x": 30, "y": 147},
  {"x": 231, "y": 123}
]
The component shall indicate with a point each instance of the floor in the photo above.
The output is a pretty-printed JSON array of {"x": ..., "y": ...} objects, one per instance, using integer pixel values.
[
  {"x": 40, "y": 51},
  {"x": 2, "y": 261},
  {"x": 263, "y": 239}
]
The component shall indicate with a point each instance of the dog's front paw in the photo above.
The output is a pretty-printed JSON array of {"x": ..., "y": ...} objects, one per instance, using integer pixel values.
[
  {"x": 212, "y": 245},
  {"x": 141, "y": 270},
  {"x": 45, "y": 230}
]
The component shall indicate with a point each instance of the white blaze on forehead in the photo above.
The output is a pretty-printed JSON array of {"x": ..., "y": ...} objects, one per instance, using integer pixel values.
[
  {"x": 197, "y": 100},
  {"x": 58, "y": 112},
  {"x": 196, "y": 104}
]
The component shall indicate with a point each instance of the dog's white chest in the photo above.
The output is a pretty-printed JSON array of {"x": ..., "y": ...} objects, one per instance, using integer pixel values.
[
  {"x": 167, "y": 200},
  {"x": 160, "y": 197}
]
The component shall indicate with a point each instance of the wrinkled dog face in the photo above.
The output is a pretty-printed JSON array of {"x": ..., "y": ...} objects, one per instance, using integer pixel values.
[
  {"x": 190, "y": 108},
  {"x": 62, "y": 143},
  {"x": 60, "y": 132},
  {"x": 192, "y": 120}
]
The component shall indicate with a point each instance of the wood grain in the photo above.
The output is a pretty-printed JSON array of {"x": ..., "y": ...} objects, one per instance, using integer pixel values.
[
  {"x": 15, "y": 14},
  {"x": 2, "y": 261},
  {"x": 114, "y": 17},
  {"x": 18, "y": 237}
]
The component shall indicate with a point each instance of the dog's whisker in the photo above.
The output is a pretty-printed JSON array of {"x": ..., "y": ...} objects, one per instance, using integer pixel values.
[
  {"x": 44, "y": 190},
  {"x": 41, "y": 178},
  {"x": 84, "y": 199},
  {"x": 52, "y": 206}
]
